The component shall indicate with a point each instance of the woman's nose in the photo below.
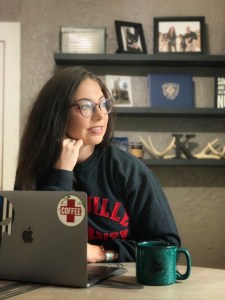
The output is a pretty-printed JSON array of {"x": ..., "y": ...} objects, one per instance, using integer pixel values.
[{"x": 98, "y": 114}]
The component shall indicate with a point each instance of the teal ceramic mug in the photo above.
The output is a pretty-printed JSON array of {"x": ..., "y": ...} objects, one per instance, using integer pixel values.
[{"x": 156, "y": 263}]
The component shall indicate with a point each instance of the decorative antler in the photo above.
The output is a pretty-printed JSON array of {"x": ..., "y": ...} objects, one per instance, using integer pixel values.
[
  {"x": 203, "y": 154},
  {"x": 214, "y": 151},
  {"x": 154, "y": 152},
  {"x": 165, "y": 151},
  {"x": 148, "y": 148}
]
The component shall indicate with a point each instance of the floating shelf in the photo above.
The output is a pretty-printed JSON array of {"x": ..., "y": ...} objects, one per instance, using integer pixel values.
[
  {"x": 169, "y": 112},
  {"x": 126, "y": 59},
  {"x": 185, "y": 162}
]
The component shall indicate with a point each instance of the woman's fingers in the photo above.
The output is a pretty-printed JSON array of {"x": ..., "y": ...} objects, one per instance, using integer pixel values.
[{"x": 69, "y": 154}]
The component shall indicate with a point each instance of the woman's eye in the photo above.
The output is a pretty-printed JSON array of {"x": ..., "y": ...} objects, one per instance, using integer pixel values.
[
  {"x": 85, "y": 106},
  {"x": 103, "y": 104}
]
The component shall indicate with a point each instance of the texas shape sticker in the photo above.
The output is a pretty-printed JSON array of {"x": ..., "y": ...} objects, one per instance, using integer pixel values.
[{"x": 71, "y": 210}]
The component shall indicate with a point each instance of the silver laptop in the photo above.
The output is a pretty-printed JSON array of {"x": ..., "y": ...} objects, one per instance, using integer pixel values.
[{"x": 43, "y": 239}]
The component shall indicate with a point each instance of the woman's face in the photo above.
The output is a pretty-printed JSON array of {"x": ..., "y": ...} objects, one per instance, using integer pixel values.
[{"x": 90, "y": 129}]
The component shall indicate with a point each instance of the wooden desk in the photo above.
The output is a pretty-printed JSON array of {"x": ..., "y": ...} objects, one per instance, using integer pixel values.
[{"x": 203, "y": 284}]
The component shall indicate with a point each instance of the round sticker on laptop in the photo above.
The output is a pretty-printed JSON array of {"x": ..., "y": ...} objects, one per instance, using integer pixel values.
[{"x": 71, "y": 210}]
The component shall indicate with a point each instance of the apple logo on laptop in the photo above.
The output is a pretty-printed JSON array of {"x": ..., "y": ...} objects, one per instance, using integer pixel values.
[{"x": 27, "y": 235}]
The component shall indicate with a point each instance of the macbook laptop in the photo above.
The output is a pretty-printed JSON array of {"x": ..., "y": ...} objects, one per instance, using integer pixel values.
[{"x": 43, "y": 239}]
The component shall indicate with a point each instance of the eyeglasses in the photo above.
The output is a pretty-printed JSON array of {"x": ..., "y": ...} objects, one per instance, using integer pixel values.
[{"x": 87, "y": 107}]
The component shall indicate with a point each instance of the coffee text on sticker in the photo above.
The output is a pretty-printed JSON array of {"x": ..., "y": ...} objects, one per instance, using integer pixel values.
[{"x": 70, "y": 210}]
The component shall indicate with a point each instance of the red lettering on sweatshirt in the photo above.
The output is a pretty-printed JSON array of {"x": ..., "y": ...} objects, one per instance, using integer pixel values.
[
  {"x": 96, "y": 202},
  {"x": 124, "y": 234},
  {"x": 125, "y": 221},
  {"x": 103, "y": 212},
  {"x": 114, "y": 216},
  {"x": 101, "y": 207},
  {"x": 91, "y": 235},
  {"x": 105, "y": 236},
  {"x": 96, "y": 235},
  {"x": 92, "y": 203}
]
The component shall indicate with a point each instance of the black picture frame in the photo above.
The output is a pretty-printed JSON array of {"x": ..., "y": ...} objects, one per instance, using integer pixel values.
[
  {"x": 130, "y": 37},
  {"x": 179, "y": 35}
]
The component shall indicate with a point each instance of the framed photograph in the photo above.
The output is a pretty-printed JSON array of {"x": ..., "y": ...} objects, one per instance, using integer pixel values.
[
  {"x": 179, "y": 35},
  {"x": 130, "y": 37},
  {"x": 220, "y": 92},
  {"x": 82, "y": 40},
  {"x": 120, "y": 88}
]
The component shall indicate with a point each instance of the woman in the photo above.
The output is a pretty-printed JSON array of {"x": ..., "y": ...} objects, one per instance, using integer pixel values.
[
  {"x": 66, "y": 146},
  {"x": 172, "y": 40}
]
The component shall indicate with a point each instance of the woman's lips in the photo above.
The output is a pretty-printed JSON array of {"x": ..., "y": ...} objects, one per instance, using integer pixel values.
[{"x": 96, "y": 129}]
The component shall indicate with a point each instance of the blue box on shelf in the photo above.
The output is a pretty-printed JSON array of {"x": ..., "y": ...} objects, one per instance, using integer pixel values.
[{"x": 171, "y": 90}]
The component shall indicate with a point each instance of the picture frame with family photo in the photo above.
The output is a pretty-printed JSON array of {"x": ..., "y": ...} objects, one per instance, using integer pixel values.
[{"x": 179, "y": 35}]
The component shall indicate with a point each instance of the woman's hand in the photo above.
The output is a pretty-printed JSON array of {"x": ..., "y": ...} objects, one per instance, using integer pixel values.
[
  {"x": 95, "y": 253},
  {"x": 69, "y": 155}
]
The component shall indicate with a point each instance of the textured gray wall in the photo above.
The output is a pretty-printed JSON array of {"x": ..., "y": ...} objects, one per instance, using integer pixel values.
[{"x": 196, "y": 195}]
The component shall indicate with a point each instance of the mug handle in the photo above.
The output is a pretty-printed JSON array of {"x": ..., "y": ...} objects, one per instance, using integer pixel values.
[{"x": 188, "y": 260}]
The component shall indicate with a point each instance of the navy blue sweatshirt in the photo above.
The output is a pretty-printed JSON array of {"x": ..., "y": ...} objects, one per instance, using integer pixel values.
[{"x": 126, "y": 203}]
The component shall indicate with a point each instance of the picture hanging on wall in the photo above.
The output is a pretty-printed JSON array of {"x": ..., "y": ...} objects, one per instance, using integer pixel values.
[
  {"x": 179, "y": 35},
  {"x": 130, "y": 37}
]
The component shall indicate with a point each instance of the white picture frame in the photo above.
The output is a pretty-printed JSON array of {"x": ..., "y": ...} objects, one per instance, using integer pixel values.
[
  {"x": 82, "y": 40},
  {"x": 120, "y": 88}
]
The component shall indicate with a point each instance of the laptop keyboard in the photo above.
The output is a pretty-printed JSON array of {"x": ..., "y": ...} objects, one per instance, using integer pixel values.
[{"x": 99, "y": 272}]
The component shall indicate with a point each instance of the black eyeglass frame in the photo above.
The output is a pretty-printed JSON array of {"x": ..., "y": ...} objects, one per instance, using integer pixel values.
[{"x": 110, "y": 102}]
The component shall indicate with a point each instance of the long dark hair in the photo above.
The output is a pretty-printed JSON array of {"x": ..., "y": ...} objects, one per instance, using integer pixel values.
[{"x": 40, "y": 145}]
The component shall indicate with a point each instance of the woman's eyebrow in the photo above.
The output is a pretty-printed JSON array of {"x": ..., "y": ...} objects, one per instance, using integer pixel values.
[{"x": 103, "y": 96}]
